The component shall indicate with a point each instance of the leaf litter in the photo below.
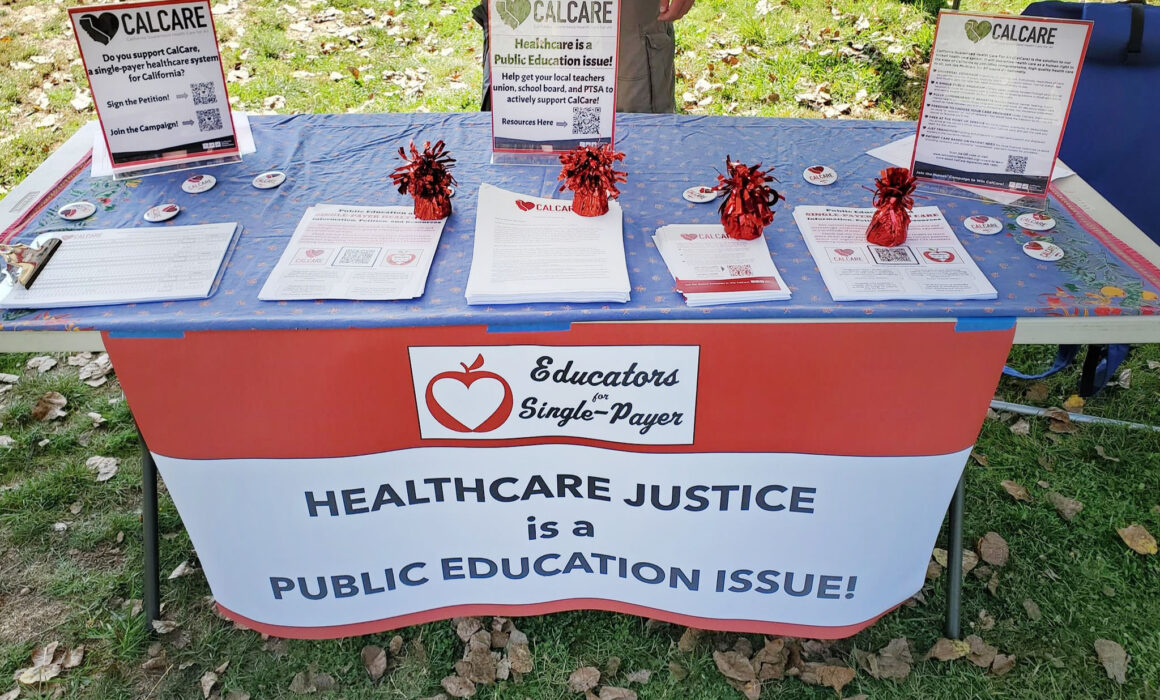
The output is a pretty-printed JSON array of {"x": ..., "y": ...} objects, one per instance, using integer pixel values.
[
  {"x": 1113, "y": 658},
  {"x": 1138, "y": 538}
]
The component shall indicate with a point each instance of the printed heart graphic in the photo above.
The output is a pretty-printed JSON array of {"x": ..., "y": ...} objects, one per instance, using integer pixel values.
[
  {"x": 513, "y": 12},
  {"x": 470, "y": 404},
  {"x": 314, "y": 252},
  {"x": 525, "y": 205},
  {"x": 977, "y": 29},
  {"x": 1040, "y": 217},
  {"x": 689, "y": 236},
  {"x": 979, "y": 219},
  {"x": 400, "y": 258},
  {"x": 940, "y": 256},
  {"x": 844, "y": 252},
  {"x": 68, "y": 212},
  {"x": 1034, "y": 245},
  {"x": 102, "y": 28},
  {"x": 170, "y": 208},
  {"x": 197, "y": 178},
  {"x": 816, "y": 169}
]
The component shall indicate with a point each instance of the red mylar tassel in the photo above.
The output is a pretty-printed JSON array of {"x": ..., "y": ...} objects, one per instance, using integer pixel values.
[
  {"x": 747, "y": 207},
  {"x": 588, "y": 173},
  {"x": 427, "y": 176},
  {"x": 893, "y": 201}
]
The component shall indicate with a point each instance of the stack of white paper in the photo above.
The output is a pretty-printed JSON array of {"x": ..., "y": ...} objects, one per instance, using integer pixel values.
[
  {"x": 931, "y": 264},
  {"x": 123, "y": 266},
  {"x": 712, "y": 268},
  {"x": 348, "y": 252},
  {"x": 529, "y": 250}
]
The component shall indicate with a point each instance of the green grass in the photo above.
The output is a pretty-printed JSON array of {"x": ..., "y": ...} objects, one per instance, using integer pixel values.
[{"x": 82, "y": 583}]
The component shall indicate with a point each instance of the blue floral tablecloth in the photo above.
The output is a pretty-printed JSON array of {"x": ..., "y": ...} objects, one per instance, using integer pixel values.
[{"x": 346, "y": 159}]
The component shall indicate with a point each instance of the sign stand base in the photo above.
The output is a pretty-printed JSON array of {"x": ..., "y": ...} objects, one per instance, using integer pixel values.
[
  {"x": 937, "y": 189},
  {"x": 176, "y": 167},
  {"x": 543, "y": 158}
]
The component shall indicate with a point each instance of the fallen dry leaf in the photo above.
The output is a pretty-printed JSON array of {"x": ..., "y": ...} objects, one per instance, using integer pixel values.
[
  {"x": 237, "y": 695},
  {"x": 1066, "y": 507},
  {"x": 836, "y": 677},
  {"x": 642, "y": 676},
  {"x": 612, "y": 666},
  {"x": 980, "y": 458},
  {"x": 1016, "y": 490},
  {"x": 208, "y": 680},
  {"x": 458, "y": 687},
  {"x": 893, "y": 660},
  {"x": 584, "y": 678},
  {"x": 11, "y": 694},
  {"x": 771, "y": 659},
  {"x": 42, "y": 363},
  {"x": 1020, "y": 427},
  {"x": 948, "y": 649},
  {"x": 164, "y": 626},
  {"x": 688, "y": 640},
  {"x": 374, "y": 660},
  {"x": 733, "y": 665},
  {"x": 183, "y": 569},
  {"x": 993, "y": 549},
  {"x": 1114, "y": 659},
  {"x": 1058, "y": 421},
  {"x": 1138, "y": 538},
  {"x": 106, "y": 467},
  {"x": 981, "y": 654},
  {"x": 466, "y": 626},
  {"x": 396, "y": 644},
  {"x": 1074, "y": 403},
  {"x": 1032, "y": 610},
  {"x": 1037, "y": 392},
  {"x": 74, "y": 657},
  {"x": 48, "y": 407},
  {"x": 677, "y": 671},
  {"x": 1100, "y": 451},
  {"x": 1002, "y": 664},
  {"x": 609, "y": 692}
]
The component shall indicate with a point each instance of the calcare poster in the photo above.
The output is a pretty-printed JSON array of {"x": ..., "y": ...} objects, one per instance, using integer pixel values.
[
  {"x": 997, "y": 97},
  {"x": 736, "y": 476},
  {"x": 553, "y": 73},
  {"x": 157, "y": 81}
]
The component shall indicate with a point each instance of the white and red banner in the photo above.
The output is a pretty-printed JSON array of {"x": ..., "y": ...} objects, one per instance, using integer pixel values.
[{"x": 345, "y": 482}]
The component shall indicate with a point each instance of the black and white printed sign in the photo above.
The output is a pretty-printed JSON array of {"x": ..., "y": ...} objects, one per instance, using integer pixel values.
[
  {"x": 156, "y": 75},
  {"x": 640, "y": 395},
  {"x": 553, "y": 73}
]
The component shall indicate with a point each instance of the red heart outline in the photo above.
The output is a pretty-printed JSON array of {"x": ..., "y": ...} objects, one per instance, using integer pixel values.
[{"x": 468, "y": 376}]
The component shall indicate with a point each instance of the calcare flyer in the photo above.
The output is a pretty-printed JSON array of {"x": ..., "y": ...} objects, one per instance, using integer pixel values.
[
  {"x": 157, "y": 81},
  {"x": 997, "y": 98},
  {"x": 553, "y": 73}
]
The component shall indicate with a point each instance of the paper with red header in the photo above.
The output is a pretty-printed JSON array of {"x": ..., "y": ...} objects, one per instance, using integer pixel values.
[
  {"x": 711, "y": 268},
  {"x": 997, "y": 97},
  {"x": 157, "y": 81},
  {"x": 532, "y": 249},
  {"x": 931, "y": 264},
  {"x": 352, "y": 252}
]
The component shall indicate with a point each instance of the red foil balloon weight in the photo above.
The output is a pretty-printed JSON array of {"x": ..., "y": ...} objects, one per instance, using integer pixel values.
[
  {"x": 892, "y": 198},
  {"x": 428, "y": 178},
  {"x": 748, "y": 205},
  {"x": 588, "y": 173}
]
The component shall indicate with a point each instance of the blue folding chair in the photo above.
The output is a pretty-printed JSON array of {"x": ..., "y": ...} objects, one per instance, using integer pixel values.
[{"x": 1110, "y": 140}]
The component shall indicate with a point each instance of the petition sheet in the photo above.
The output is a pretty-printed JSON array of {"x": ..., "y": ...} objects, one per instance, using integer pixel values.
[
  {"x": 932, "y": 264},
  {"x": 705, "y": 261},
  {"x": 349, "y": 252}
]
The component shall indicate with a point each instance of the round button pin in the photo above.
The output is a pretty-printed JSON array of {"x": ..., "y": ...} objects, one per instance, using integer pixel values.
[
  {"x": 269, "y": 180},
  {"x": 1043, "y": 250},
  {"x": 162, "y": 212},
  {"x": 700, "y": 194},
  {"x": 983, "y": 225},
  {"x": 820, "y": 175},
  {"x": 1036, "y": 221},
  {"x": 196, "y": 184},
  {"x": 75, "y": 211}
]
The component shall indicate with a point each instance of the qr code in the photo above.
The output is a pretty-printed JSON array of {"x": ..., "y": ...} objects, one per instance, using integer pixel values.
[
  {"x": 1017, "y": 164},
  {"x": 740, "y": 270},
  {"x": 586, "y": 121},
  {"x": 209, "y": 119},
  {"x": 357, "y": 257},
  {"x": 893, "y": 256},
  {"x": 203, "y": 93}
]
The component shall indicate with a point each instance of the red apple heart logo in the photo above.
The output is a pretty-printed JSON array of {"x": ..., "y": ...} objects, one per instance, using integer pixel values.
[
  {"x": 314, "y": 252},
  {"x": 1034, "y": 245},
  {"x": 939, "y": 256},
  {"x": 979, "y": 219},
  {"x": 689, "y": 236},
  {"x": 816, "y": 169},
  {"x": 844, "y": 252},
  {"x": 68, "y": 212},
  {"x": 400, "y": 258},
  {"x": 471, "y": 401},
  {"x": 197, "y": 178},
  {"x": 170, "y": 208},
  {"x": 1040, "y": 217},
  {"x": 525, "y": 205}
]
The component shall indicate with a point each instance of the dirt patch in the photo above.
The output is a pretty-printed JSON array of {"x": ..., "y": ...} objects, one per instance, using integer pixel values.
[{"x": 24, "y": 617}]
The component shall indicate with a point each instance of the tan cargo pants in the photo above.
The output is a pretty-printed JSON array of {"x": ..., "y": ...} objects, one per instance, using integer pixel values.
[{"x": 645, "y": 76}]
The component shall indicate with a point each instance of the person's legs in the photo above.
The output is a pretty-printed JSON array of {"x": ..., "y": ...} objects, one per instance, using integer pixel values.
[
  {"x": 479, "y": 14},
  {"x": 645, "y": 77}
]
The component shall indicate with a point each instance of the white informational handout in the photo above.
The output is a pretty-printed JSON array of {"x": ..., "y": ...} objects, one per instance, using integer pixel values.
[
  {"x": 530, "y": 249},
  {"x": 553, "y": 73},
  {"x": 128, "y": 265},
  {"x": 997, "y": 97},
  {"x": 350, "y": 252},
  {"x": 157, "y": 81},
  {"x": 709, "y": 267},
  {"x": 931, "y": 264}
]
